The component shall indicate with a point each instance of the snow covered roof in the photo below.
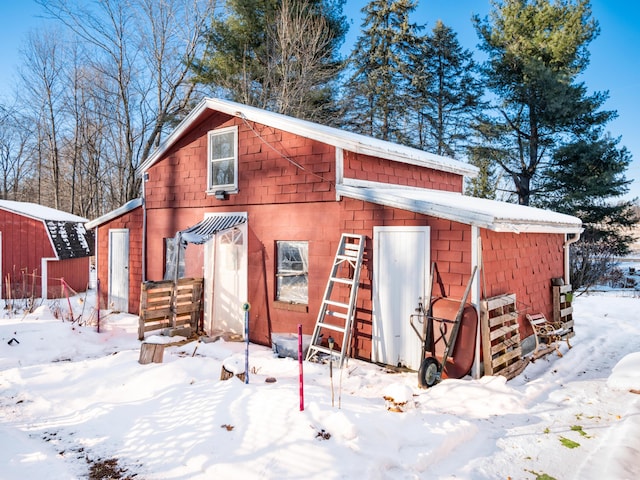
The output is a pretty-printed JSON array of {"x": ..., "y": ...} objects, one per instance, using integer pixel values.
[
  {"x": 489, "y": 214},
  {"x": 67, "y": 233},
  {"x": 332, "y": 136},
  {"x": 39, "y": 212},
  {"x": 126, "y": 208}
]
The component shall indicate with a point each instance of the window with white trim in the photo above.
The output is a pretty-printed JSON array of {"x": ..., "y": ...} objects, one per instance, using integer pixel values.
[
  {"x": 292, "y": 272},
  {"x": 223, "y": 160}
]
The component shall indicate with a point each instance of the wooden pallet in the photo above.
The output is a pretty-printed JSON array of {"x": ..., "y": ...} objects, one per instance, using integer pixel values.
[
  {"x": 167, "y": 305},
  {"x": 501, "y": 347},
  {"x": 563, "y": 310}
]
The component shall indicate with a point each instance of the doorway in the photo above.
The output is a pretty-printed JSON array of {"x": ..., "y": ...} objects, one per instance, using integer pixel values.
[
  {"x": 400, "y": 269},
  {"x": 226, "y": 281},
  {"x": 118, "y": 296}
]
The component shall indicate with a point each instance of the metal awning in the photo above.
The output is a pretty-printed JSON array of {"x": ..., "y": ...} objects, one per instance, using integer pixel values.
[{"x": 203, "y": 231}]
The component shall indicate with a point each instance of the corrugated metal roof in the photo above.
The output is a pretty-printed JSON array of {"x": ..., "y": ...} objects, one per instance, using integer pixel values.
[{"x": 207, "y": 228}]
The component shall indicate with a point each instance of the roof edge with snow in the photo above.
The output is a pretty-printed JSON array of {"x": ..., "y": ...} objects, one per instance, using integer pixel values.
[
  {"x": 490, "y": 214},
  {"x": 126, "y": 208},
  {"x": 329, "y": 135}
]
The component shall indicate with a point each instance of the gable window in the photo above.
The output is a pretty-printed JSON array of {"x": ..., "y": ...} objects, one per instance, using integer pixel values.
[
  {"x": 223, "y": 160},
  {"x": 292, "y": 272}
]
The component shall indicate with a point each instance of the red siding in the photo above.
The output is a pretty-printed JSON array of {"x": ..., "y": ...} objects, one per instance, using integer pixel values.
[
  {"x": 365, "y": 167},
  {"x": 265, "y": 176},
  {"x": 133, "y": 222},
  {"x": 321, "y": 224},
  {"x": 75, "y": 272},
  {"x": 446, "y": 237},
  {"x": 523, "y": 264},
  {"x": 24, "y": 243}
]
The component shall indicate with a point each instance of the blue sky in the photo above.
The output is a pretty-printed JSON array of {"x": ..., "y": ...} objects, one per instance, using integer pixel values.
[{"x": 615, "y": 62}]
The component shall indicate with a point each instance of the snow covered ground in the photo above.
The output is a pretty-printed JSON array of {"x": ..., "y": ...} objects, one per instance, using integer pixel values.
[{"x": 75, "y": 403}]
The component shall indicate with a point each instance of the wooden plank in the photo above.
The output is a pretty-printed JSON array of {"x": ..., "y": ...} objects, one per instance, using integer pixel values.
[
  {"x": 565, "y": 288},
  {"x": 504, "y": 318},
  {"x": 500, "y": 301},
  {"x": 503, "y": 332},
  {"x": 151, "y": 352},
  {"x": 505, "y": 345},
  {"x": 514, "y": 369},
  {"x": 513, "y": 354},
  {"x": 565, "y": 312},
  {"x": 486, "y": 342}
]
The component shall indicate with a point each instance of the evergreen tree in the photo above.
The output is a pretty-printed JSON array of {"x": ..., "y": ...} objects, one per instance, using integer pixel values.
[
  {"x": 281, "y": 55},
  {"x": 486, "y": 183},
  {"x": 377, "y": 92},
  {"x": 536, "y": 51},
  {"x": 585, "y": 179},
  {"x": 447, "y": 92}
]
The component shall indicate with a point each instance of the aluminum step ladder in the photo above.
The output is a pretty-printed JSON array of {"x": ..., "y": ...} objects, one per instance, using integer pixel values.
[{"x": 335, "y": 314}]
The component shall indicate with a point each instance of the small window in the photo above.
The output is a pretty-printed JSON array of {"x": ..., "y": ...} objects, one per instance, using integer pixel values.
[
  {"x": 223, "y": 160},
  {"x": 292, "y": 272}
]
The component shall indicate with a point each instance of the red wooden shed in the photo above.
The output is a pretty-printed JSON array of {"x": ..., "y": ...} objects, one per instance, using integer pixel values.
[
  {"x": 287, "y": 189},
  {"x": 40, "y": 247},
  {"x": 118, "y": 237}
]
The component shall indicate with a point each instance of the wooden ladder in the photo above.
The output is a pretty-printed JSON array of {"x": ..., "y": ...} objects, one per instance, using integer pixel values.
[{"x": 336, "y": 315}]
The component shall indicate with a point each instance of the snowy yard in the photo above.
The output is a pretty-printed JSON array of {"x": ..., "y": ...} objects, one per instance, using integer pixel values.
[{"x": 77, "y": 404}]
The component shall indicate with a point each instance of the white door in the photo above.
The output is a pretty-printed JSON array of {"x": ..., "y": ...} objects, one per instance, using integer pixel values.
[
  {"x": 226, "y": 281},
  {"x": 119, "y": 269},
  {"x": 400, "y": 270}
]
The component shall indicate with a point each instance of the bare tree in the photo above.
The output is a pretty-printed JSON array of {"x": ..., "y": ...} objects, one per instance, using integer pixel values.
[
  {"x": 138, "y": 53},
  {"x": 15, "y": 145},
  {"x": 301, "y": 62},
  {"x": 42, "y": 79}
]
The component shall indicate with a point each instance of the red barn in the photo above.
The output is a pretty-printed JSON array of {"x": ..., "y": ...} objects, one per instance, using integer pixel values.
[
  {"x": 269, "y": 196},
  {"x": 40, "y": 247}
]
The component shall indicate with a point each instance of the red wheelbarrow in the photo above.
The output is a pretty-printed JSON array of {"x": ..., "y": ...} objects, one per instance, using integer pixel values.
[{"x": 448, "y": 335}]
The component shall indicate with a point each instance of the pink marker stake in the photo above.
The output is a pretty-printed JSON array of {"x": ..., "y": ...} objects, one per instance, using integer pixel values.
[{"x": 300, "y": 364}]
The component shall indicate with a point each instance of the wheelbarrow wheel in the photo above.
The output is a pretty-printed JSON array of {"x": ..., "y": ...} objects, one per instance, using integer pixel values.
[{"x": 428, "y": 373}]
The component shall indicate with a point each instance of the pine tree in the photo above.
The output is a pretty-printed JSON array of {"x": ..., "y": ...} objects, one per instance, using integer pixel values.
[
  {"x": 376, "y": 93},
  {"x": 485, "y": 184},
  {"x": 587, "y": 179},
  {"x": 447, "y": 92},
  {"x": 281, "y": 55},
  {"x": 537, "y": 49}
]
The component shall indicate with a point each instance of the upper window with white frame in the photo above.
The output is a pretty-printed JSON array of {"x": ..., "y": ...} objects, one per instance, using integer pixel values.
[{"x": 223, "y": 160}]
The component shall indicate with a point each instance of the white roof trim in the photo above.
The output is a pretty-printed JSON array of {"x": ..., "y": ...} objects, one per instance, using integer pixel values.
[
  {"x": 332, "y": 136},
  {"x": 480, "y": 212},
  {"x": 126, "y": 208}
]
